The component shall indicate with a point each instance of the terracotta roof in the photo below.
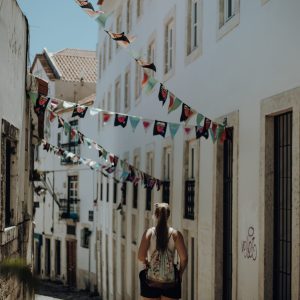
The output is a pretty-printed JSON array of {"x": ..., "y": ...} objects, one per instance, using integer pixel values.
[
  {"x": 74, "y": 64},
  {"x": 46, "y": 66}
]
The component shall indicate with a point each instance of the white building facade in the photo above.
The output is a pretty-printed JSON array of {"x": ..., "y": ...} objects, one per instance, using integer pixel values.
[
  {"x": 236, "y": 204},
  {"x": 64, "y": 235}
]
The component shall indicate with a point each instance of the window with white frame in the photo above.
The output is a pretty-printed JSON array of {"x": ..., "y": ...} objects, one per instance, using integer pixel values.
[
  {"x": 85, "y": 237},
  {"x": 139, "y": 7},
  {"x": 169, "y": 45},
  {"x": 167, "y": 173},
  {"x": 129, "y": 15},
  {"x": 149, "y": 170},
  {"x": 193, "y": 26},
  {"x": 109, "y": 100},
  {"x": 127, "y": 91},
  {"x": 138, "y": 78},
  {"x": 117, "y": 95},
  {"x": 227, "y": 10},
  {"x": 136, "y": 163}
]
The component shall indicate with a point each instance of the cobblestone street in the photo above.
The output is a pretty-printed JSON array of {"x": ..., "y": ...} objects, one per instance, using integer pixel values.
[{"x": 49, "y": 290}]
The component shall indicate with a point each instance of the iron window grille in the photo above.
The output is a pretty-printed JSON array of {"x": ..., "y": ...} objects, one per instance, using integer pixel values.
[
  {"x": 189, "y": 200},
  {"x": 166, "y": 191}
]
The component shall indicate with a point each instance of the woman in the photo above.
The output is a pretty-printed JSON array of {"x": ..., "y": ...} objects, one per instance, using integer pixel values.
[{"x": 161, "y": 279}]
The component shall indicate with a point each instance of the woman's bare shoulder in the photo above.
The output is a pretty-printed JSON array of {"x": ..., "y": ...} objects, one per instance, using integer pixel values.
[{"x": 176, "y": 234}]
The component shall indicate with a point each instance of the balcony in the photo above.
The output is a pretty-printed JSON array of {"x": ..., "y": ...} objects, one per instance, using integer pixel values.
[
  {"x": 189, "y": 200},
  {"x": 69, "y": 209},
  {"x": 73, "y": 147},
  {"x": 166, "y": 191}
]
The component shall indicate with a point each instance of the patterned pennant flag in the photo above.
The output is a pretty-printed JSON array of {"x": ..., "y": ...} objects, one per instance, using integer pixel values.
[
  {"x": 120, "y": 38},
  {"x": 134, "y": 121},
  {"x": 173, "y": 127},
  {"x": 88, "y": 8},
  {"x": 106, "y": 117},
  {"x": 207, "y": 123},
  {"x": 110, "y": 169},
  {"x": 113, "y": 159},
  {"x": 200, "y": 131},
  {"x": 145, "y": 64},
  {"x": 121, "y": 120},
  {"x": 46, "y": 147},
  {"x": 174, "y": 103},
  {"x": 160, "y": 128},
  {"x": 41, "y": 104},
  {"x": 147, "y": 124},
  {"x": 33, "y": 97},
  {"x": 186, "y": 112},
  {"x": 79, "y": 111},
  {"x": 199, "y": 119},
  {"x": 163, "y": 94}
]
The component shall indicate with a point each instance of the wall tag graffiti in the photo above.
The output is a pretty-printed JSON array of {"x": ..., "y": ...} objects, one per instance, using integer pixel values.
[{"x": 249, "y": 248}]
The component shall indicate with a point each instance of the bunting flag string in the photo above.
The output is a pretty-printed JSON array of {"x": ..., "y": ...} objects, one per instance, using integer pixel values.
[
  {"x": 111, "y": 160},
  {"x": 149, "y": 82}
]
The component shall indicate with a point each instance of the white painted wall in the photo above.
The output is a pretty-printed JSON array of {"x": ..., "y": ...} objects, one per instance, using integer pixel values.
[{"x": 255, "y": 60}]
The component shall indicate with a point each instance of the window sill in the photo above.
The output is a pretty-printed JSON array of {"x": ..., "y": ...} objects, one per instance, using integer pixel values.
[
  {"x": 193, "y": 55},
  {"x": 168, "y": 75},
  {"x": 9, "y": 234},
  {"x": 228, "y": 26}
]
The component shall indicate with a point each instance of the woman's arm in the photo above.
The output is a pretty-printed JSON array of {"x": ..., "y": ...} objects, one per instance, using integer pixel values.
[
  {"x": 181, "y": 250},
  {"x": 144, "y": 246}
]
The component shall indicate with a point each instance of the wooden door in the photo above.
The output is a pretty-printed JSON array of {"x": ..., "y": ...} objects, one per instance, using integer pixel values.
[{"x": 71, "y": 263}]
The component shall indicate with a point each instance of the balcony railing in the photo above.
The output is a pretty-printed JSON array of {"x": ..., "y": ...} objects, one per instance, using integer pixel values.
[
  {"x": 166, "y": 191},
  {"x": 69, "y": 209},
  {"x": 73, "y": 147},
  {"x": 189, "y": 199}
]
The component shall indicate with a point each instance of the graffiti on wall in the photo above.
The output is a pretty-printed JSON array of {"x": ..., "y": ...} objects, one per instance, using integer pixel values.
[{"x": 249, "y": 248}]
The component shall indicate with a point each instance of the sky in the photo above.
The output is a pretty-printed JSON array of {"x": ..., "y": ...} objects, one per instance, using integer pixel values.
[{"x": 58, "y": 24}]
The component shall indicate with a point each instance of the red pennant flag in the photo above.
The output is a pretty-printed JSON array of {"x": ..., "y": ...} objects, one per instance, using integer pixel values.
[
  {"x": 187, "y": 130},
  {"x": 146, "y": 124},
  {"x": 106, "y": 117},
  {"x": 171, "y": 102},
  {"x": 207, "y": 123},
  {"x": 223, "y": 136},
  {"x": 73, "y": 133},
  {"x": 145, "y": 80}
]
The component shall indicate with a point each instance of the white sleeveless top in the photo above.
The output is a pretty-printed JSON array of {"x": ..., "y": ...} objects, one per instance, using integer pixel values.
[{"x": 152, "y": 248}]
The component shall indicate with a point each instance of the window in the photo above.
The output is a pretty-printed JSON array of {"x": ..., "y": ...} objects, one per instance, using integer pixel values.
[
  {"x": 71, "y": 229},
  {"x": 47, "y": 257},
  {"x": 115, "y": 192},
  {"x": 9, "y": 171},
  {"x": 151, "y": 54},
  {"x": 107, "y": 192},
  {"x": 104, "y": 55},
  {"x": 169, "y": 46},
  {"x": 138, "y": 86},
  {"x": 109, "y": 100},
  {"x": 228, "y": 15},
  {"x": 57, "y": 257},
  {"x": 167, "y": 160},
  {"x": 134, "y": 229},
  {"x": 58, "y": 139},
  {"x": 283, "y": 127},
  {"x": 136, "y": 163},
  {"x": 72, "y": 204},
  {"x": 127, "y": 91},
  {"x": 85, "y": 237},
  {"x": 101, "y": 191},
  {"x": 118, "y": 26},
  {"x": 117, "y": 95},
  {"x": 149, "y": 170},
  {"x": 193, "y": 29},
  {"x": 139, "y": 7},
  {"x": 124, "y": 193},
  {"x": 129, "y": 16},
  {"x": 91, "y": 215}
]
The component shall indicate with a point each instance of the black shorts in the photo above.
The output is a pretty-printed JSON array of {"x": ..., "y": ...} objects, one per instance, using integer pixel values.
[{"x": 150, "y": 292}]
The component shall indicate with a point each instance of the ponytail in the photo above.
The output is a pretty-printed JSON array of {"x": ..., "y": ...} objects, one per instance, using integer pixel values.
[{"x": 162, "y": 213}]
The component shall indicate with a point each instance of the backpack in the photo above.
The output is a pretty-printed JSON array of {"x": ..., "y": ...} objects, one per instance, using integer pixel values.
[{"x": 161, "y": 271}]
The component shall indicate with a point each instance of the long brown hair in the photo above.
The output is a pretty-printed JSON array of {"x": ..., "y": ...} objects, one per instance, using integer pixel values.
[{"x": 162, "y": 213}]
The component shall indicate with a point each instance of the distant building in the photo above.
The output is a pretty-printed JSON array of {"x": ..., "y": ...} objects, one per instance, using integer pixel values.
[
  {"x": 237, "y": 204},
  {"x": 64, "y": 216},
  {"x": 16, "y": 155}
]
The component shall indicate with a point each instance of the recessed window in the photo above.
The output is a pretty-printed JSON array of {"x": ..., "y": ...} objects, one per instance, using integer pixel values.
[
  {"x": 129, "y": 15},
  {"x": 139, "y": 7},
  {"x": 85, "y": 237},
  {"x": 117, "y": 95},
  {"x": 136, "y": 163},
  {"x": 149, "y": 170},
  {"x": 127, "y": 91},
  {"x": 138, "y": 77},
  {"x": 193, "y": 30},
  {"x": 118, "y": 26},
  {"x": 104, "y": 55},
  {"x": 228, "y": 9},
  {"x": 169, "y": 46},
  {"x": 151, "y": 54}
]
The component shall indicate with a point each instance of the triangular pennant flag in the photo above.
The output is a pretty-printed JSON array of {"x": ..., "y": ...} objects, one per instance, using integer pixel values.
[
  {"x": 163, "y": 94},
  {"x": 150, "y": 85},
  {"x": 88, "y": 142},
  {"x": 173, "y": 104},
  {"x": 207, "y": 123},
  {"x": 145, "y": 64},
  {"x": 201, "y": 131},
  {"x": 104, "y": 154},
  {"x": 147, "y": 124},
  {"x": 160, "y": 128},
  {"x": 145, "y": 79},
  {"x": 79, "y": 111},
  {"x": 121, "y": 120},
  {"x": 106, "y": 117},
  {"x": 213, "y": 131},
  {"x": 88, "y": 8},
  {"x": 220, "y": 131},
  {"x": 73, "y": 133},
  {"x": 102, "y": 18},
  {"x": 223, "y": 136},
  {"x": 186, "y": 112},
  {"x": 120, "y": 38},
  {"x": 113, "y": 159},
  {"x": 80, "y": 138},
  {"x": 46, "y": 147},
  {"x": 158, "y": 184},
  {"x": 134, "y": 121},
  {"x": 33, "y": 97},
  {"x": 173, "y": 127},
  {"x": 41, "y": 104},
  {"x": 199, "y": 119},
  {"x": 187, "y": 129}
]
